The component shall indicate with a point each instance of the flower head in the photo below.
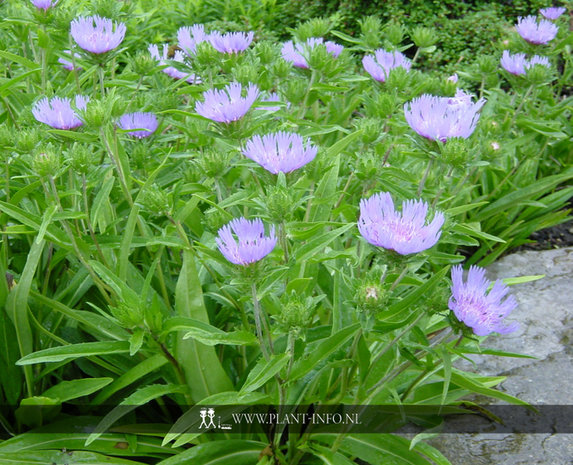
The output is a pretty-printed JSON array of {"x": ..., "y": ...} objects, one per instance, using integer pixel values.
[
  {"x": 380, "y": 65},
  {"x": 297, "y": 53},
  {"x": 453, "y": 78},
  {"x": 170, "y": 70},
  {"x": 517, "y": 64},
  {"x": 480, "y": 310},
  {"x": 404, "y": 232},
  {"x": 96, "y": 34},
  {"x": 266, "y": 102},
  {"x": 233, "y": 42},
  {"x": 250, "y": 244},
  {"x": 58, "y": 112},
  {"x": 280, "y": 151},
  {"x": 189, "y": 37},
  {"x": 440, "y": 118},
  {"x": 44, "y": 4},
  {"x": 536, "y": 32},
  {"x": 146, "y": 123},
  {"x": 552, "y": 12},
  {"x": 227, "y": 105},
  {"x": 67, "y": 64}
]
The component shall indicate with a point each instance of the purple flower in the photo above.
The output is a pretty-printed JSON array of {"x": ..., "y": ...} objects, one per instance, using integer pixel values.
[
  {"x": 453, "y": 78},
  {"x": 552, "y": 12},
  {"x": 405, "y": 232},
  {"x": 145, "y": 122},
  {"x": 227, "y": 105},
  {"x": 233, "y": 42},
  {"x": 439, "y": 118},
  {"x": 536, "y": 32},
  {"x": 58, "y": 112},
  {"x": 271, "y": 97},
  {"x": 380, "y": 65},
  {"x": 189, "y": 37},
  {"x": 280, "y": 151},
  {"x": 482, "y": 311},
  {"x": 44, "y": 4},
  {"x": 297, "y": 53},
  {"x": 537, "y": 60},
  {"x": 96, "y": 34},
  {"x": 250, "y": 244},
  {"x": 517, "y": 64},
  {"x": 67, "y": 64},
  {"x": 514, "y": 64},
  {"x": 178, "y": 57}
]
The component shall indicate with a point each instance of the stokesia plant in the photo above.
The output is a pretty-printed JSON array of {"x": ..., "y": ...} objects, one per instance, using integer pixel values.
[{"x": 260, "y": 228}]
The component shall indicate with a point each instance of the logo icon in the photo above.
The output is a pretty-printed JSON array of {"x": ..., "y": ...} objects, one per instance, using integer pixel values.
[{"x": 207, "y": 418}]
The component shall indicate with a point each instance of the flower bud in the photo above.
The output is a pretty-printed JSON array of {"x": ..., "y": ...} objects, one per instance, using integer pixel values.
[
  {"x": 424, "y": 37},
  {"x": 265, "y": 52},
  {"x": 245, "y": 74},
  {"x": 27, "y": 140},
  {"x": 538, "y": 74},
  {"x": 398, "y": 79},
  {"x": 215, "y": 219},
  {"x": 281, "y": 68},
  {"x": 7, "y": 138},
  {"x": 143, "y": 64},
  {"x": 81, "y": 158},
  {"x": 296, "y": 312},
  {"x": 155, "y": 201},
  {"x": 394, "y": 33},
  {"x": 96, "y": 114},
  {"x": 371, "y": 28},
  {"x": 367, "y": 166},
  {"x": 381, "y": 106},
  {"x": 46, "y": 163},
  {"x": 296, "y": 90},
  {"x": 128, "y": 314},
  {"x": 454, "y": 151},
  {"x": 487, "y": 64},
  {"x": 206, "y": 55},
  {"x": 279, "y": 203},
  {"x": 214, "y": 162},
  {"x": 371, "y": 129},
  {"x": 316, "y": 27}
]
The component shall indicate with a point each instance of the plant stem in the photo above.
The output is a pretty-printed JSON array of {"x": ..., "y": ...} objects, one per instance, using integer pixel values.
[
  {"x": 424, "y": 178},
  {"x": 258, "y": 322}
]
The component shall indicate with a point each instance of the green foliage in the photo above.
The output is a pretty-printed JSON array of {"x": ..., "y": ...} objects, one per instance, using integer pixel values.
[{"x": 113, "y": 294}]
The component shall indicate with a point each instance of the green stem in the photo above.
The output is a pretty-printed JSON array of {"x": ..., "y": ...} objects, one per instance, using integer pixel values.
[
  {"x": 258, "y": 322},
  {"x": 424, "y": 178}
]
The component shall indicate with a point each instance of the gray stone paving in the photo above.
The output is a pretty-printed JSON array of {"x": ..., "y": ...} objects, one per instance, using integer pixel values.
[{"x": 545, "y": 314}]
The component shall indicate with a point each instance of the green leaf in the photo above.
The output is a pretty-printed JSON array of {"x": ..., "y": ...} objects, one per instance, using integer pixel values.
[
  {"x": 18, "y": 59},
  {"x": 377, "y": 449},
  {"x": 322, "y": 351},
  {"x": 209, "y": 335},
  {"x": 131, "y": 376},
  {"x": 51, "y": 437},
  {"x": 68, "y": 390},
  {"x": 202, "y": 368},
  {"x": 136, "y": 341},
  {"x": 467, "y": 229},
  {"x": 62, "y": 457},
  {"x": 530, "y": 192},
  {"x": 138, "y": 398},
  {"x": 327, "y": 456},
  {"x": 264, "y": 371},
  {"x": 17, "y": 308},
  {"x": 225, "y": 452},
  {"x": 412, "y": 298},
  {"x": 73, "y": 351},
  {"x": 474, "y": 385},
  {"x": 318, "y": 243}
]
